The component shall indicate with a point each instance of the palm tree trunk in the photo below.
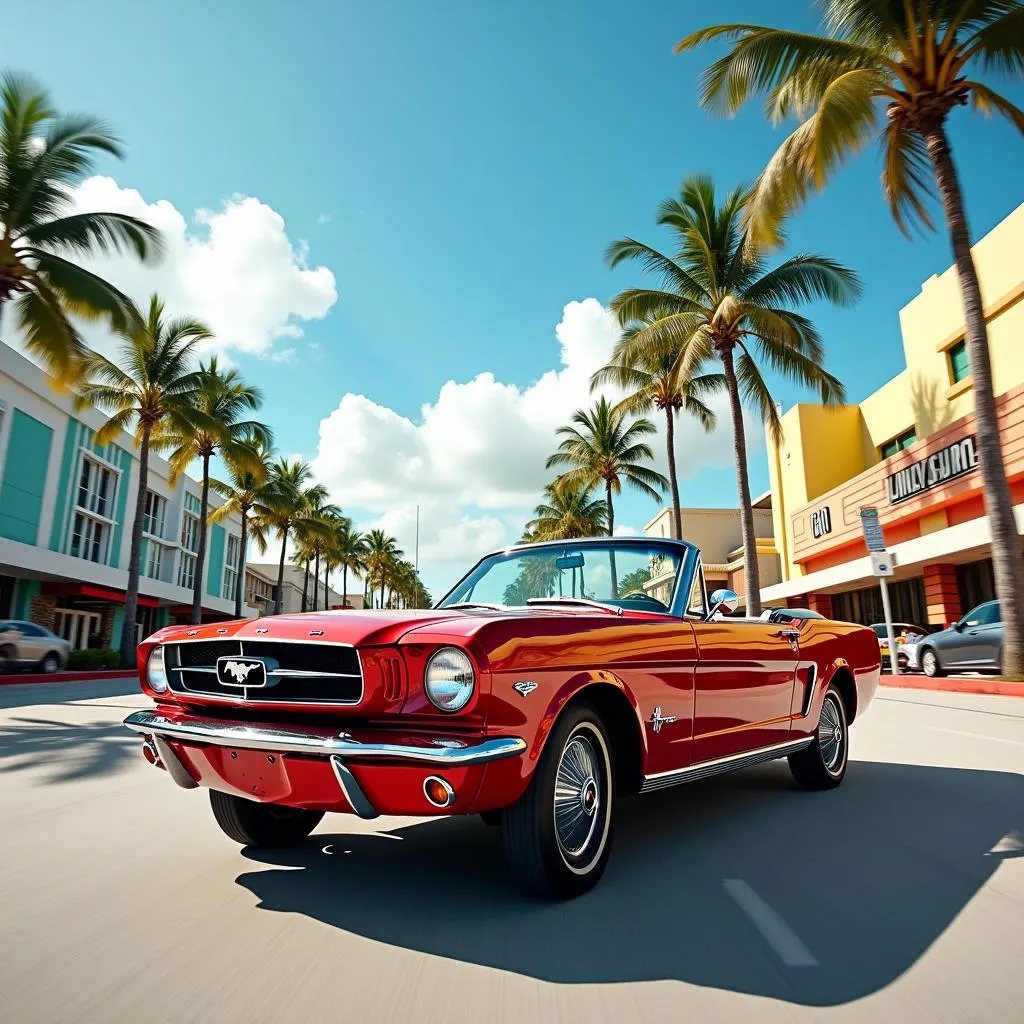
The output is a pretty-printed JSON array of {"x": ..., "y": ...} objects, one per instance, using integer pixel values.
[
  {"x": 197, "y": 582},
  {"x": 280, "y": 573},
  {"x": 316, "y": 582},
  {"x": 1007, "y": 564},
  {"x": 131, "y": 596},
  {"x": 751, "y": 570},
  {"x": 344, "y": 585},
  {"x": 305, "y": 589},
  {"x": 611, "y": 533},
  {"x": 240, "y": 582},
  {"x": 327, "y": 587},
  {"x": 670, "y": 441}
]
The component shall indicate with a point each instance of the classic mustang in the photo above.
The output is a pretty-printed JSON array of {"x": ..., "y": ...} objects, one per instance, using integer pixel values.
[{"x": 552, "y": 680}]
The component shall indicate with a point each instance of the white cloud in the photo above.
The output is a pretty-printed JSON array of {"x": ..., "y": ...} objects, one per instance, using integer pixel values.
[
  {"x": 323, "y": 218},
  {"x": 474, "y": 458},
  {"x": 234, "y": 268}
]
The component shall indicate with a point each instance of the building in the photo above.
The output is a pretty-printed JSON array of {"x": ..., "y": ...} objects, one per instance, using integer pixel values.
[
  {"x": 66, "y": 507},
  {"x": 719, "y": 535},
  {"x": 908, "y": 451},
  {"x": 261, "y": 583}
]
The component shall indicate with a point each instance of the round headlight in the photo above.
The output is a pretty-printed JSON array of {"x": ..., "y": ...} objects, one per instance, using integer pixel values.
[
  {"x": 156, "y": 673},
  {"x": 449, "y": 679}
]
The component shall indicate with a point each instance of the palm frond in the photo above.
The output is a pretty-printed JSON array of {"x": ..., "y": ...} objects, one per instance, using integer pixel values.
[
  {"x": 805, "y": 278},
  {"x": 88, "y": 233},
  {"x": 988, "y": 101},
  {"x": 907, "y": 177}
]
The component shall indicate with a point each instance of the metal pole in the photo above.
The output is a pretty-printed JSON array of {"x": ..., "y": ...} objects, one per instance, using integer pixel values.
[
  {"x": 417, "y": 564},
  {"x": 894, "y": 661}
]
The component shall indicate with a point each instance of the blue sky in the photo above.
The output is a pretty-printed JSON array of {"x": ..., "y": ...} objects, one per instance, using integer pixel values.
[{"x": 459, "y": 167}]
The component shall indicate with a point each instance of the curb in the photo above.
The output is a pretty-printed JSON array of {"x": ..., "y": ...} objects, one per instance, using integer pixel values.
[
  {"x": 954, "y": 685},
  {"x": 26, "y": 678}
]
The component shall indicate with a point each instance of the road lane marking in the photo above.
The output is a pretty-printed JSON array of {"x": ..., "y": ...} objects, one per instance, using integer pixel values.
[
  {"x": 786, "y": 943},
  {"x": 978, "y": 736}
]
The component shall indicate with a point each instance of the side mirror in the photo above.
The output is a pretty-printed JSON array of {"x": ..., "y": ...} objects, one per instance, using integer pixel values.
[
  {"x": 723, "y": 601},
  {"x": 959, "y": 626}
]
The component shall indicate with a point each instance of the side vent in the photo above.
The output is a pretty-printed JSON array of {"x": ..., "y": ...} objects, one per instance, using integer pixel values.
[{"x": 391, "y": 674}]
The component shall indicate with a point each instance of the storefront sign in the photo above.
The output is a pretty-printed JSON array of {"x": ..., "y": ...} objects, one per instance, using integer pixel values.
[
  {"x": 952, "y": 461},
  {"x": 821, "y": 522},
  {"x": 873, "y": 536}
]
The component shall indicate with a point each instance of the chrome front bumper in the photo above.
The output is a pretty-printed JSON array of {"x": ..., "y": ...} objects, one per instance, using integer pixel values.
[{"x": 279, "y": 739}]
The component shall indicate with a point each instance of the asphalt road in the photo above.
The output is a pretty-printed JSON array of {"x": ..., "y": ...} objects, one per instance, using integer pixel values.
[{"x": 898, "y": 897}]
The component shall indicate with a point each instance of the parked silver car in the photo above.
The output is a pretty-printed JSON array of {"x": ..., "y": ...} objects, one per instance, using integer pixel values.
[
  {"x": 26, "y": 645},
  {"x": 974, "y": 644}
]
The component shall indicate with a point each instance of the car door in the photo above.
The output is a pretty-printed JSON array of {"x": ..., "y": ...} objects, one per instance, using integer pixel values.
[
  {"x": 744, "y": 686},
  {"x": 31, "y": 643},
  {"x": 980, "y": 637}
]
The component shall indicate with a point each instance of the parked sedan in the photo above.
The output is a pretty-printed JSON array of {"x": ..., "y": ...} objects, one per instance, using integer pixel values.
[
  {"x": 975, "y": 643},
  {"x": 27, "y": 645},
  {"x": 906, "y": 635}
]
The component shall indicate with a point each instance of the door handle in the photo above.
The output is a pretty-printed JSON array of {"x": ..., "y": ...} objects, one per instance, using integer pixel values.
[{"x": 792, "y": 635}]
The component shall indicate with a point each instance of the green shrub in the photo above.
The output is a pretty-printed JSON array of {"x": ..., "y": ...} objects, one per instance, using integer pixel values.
[{"x": 93, "y": 659}]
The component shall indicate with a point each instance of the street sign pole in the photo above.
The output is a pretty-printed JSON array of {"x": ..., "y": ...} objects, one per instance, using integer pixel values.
[
  {"x": 881, "y": 566},
  {"x": 894, "y": 661}
]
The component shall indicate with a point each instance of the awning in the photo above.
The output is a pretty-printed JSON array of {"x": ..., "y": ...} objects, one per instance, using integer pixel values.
[{"x": 59, "y": 588}]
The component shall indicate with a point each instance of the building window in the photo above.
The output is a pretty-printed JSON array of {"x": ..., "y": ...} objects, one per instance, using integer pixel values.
[
  {"x": 230, "y": 569},
  {"x": 187, "y": 571},
  {"x": 156, "y": 507},
  {"x": 190, "y": 532},
  {"x": 865, "y": 605},
  {"x": 95, "y": 489},
  {"x": 89, "y": 538},
  {"x": 897, "y": 444},
  {"x": 154, "y": 560},
  {"x": 959, "y": 366}
]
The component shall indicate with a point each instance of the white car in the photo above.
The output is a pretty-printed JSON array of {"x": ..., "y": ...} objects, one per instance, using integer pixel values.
[{"x": 907, "y": 637}]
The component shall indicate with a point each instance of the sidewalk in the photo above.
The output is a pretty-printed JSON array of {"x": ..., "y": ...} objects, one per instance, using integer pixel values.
[
  {"x": 81, "y": 676},
  {"x": 955, "y": 684}
]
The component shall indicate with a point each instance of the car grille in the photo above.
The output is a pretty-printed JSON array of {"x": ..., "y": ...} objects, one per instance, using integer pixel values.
[{"x": 301, "y": 673}]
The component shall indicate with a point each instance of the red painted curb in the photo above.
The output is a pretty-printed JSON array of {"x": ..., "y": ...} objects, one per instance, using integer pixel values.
[
  {"x": 22, "y": 678},
  {"x": 955, "y": 685}
]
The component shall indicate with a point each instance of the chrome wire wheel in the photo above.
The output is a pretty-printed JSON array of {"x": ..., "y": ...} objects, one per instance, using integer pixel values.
[
  {"x": 581, "y": 798},
  {"x": 831, "y": 733}
]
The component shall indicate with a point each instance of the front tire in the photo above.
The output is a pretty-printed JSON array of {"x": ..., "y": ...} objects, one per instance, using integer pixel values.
[
  {"x": 930, "y": 664},
  {"x": 50, "y": 664},
  {"x": 268, "y": 825},
  {"x": 557, "y": 836},
  {"x": 822, "y": 765}
]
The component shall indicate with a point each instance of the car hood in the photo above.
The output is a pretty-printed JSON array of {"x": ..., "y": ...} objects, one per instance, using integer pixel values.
[{"x": 359, "y": 628}]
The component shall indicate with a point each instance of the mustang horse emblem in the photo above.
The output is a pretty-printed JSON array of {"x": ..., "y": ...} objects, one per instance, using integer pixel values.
[{"x": 239, "y": 669}]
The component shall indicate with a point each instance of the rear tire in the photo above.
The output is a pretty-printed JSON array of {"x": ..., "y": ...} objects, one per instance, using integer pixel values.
[
  {"x": 930, "y": 664},
  {"x": 822, "y": 765},
  {"x": 557, "y": 836},
  {"x": 7, "y": 659},
  {"x": 267, "y": 825}
]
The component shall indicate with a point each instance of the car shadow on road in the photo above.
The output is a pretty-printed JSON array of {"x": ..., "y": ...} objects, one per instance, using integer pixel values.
[
  {"x": 65, "y": 751},
  {"x": 866, "y": 876}
]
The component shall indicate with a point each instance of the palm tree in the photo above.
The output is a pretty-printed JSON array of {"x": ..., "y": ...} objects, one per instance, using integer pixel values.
[
  {"x": 604, "y": 449},
  {"x": 382, "y": 551},
  {"x": 331, "y": 521},
  {"x": 155, "y": 390},
  {"x": 288, "y": 499},
  {"x": 718, "y": 300},
  {"x": 654, "y": 381},
  {"x": 348, "y": 553},
  {"x": 914, "y": 62},
  {"x": 312, "y": 534},
  {"x": 43, "y": 155},
  {"x": 248, "y": 494},
  {"x": 224, "y": 397},
  {"x": 302, "y": 557},
  {"x": 567, "y": 512}
]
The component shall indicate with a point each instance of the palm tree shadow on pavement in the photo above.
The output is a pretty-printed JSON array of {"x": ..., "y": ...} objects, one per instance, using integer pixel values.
[
  {"x": 66, "y": 750},
  {"x": 867, "y": 876}
]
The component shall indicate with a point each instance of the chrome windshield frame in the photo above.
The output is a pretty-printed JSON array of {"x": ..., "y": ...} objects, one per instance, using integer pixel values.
[{"x": 687, "y": 554}]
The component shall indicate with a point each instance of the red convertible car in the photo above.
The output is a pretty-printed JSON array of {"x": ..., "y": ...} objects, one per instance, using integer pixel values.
[{"x": 552, "y": 680}]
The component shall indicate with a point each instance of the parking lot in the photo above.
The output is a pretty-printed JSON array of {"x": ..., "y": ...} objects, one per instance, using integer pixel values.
[{"x": 900, "y": 895}]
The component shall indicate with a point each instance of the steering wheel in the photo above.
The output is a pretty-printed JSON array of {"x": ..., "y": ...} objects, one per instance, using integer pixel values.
[{"x": 642, "y": 596}]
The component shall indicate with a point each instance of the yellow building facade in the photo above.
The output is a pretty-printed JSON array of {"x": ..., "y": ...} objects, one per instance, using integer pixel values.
[{"x": 907, "y": 451}]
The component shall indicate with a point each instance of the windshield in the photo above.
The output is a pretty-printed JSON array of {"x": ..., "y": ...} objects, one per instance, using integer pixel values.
[{"x": 627, "y": 576}]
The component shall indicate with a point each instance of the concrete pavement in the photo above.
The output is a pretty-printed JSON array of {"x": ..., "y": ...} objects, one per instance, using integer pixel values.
[{"x": 898, "y": 897}]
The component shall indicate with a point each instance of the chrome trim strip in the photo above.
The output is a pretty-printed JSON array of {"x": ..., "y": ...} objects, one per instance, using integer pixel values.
[
  {"x": 169, "y": 759},
  {"x": 284, "y": 740},
  {"x": 352, "y": 791},
  {"x": 812, "y": 685},
  {"x": 290, "y": 672},
  {"x": 254, "y": 640},
  {"x": 707, "y": 769}
]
